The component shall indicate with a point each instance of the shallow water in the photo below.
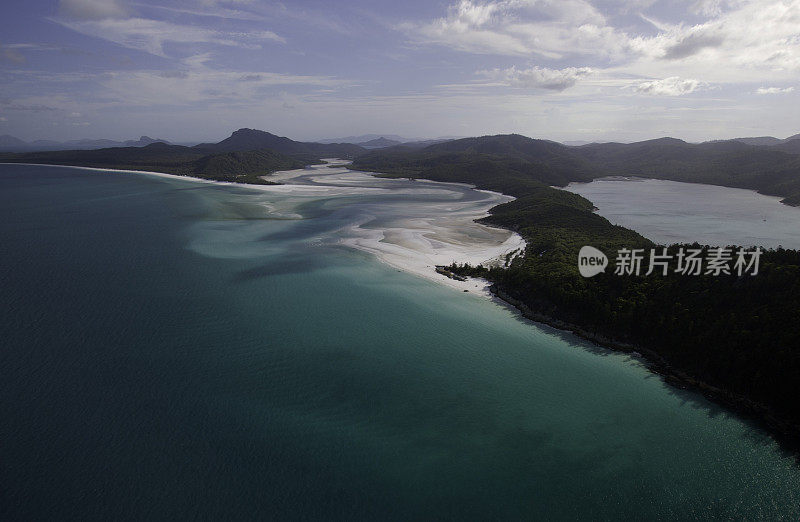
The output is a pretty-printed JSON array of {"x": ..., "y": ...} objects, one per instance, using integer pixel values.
[
  {"x": 673, "y": 212},
  {"x": 179, "y": 349}
]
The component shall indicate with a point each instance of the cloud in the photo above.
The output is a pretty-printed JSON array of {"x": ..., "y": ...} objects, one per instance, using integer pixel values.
[
  {"x": 672, "y": 86},
  {"x": 692, "y": 44},
  {"x": 16, "y": 106},
  {"x": 733, "y": 41},
  {"x": 91, "y": 9},
  {"x": 740, "y": 37},
  {"x": 198, "y": 82},
  {"x": 10, "y": 54},
  {"x": 774, "y": 90},
  {"x": 109, "y": 20},
  {"x": 539, "y": 77},
  {"x": 259, "y": 35},
  {"x": 150, "y": 35},
  {"x": 548, "y": 28}
]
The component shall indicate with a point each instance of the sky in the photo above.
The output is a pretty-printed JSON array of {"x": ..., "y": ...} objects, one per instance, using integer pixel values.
[{"x": 591, "y": 70}]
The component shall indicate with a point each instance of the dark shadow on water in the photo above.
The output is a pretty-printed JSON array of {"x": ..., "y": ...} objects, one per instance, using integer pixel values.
[
  {"x": 564, "y": 335},
  {"x": 292, "y": 265},
  {"x": 754, "y": 432}
]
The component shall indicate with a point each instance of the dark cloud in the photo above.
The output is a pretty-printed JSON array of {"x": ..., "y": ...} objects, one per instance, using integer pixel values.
[{"x": 692, "y": 44}]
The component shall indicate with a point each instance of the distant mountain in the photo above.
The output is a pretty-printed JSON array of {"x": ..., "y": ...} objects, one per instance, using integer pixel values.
[
  {"x": 760, "y": 140},
  {"x": 244, "y": 157},
  {"x": 252, "y": 139},
  {"x": 425, "y": 143},
  {"x": 235, "y": 166},
  {"x": 379, "y": 143},
  {"x": 364, "y": 138},
  {"x": 12, "y": 144},
  {"x": 9, "y": 142},
  {"x": 791, "y": 146},
  {"x": 577, "y": 143}
]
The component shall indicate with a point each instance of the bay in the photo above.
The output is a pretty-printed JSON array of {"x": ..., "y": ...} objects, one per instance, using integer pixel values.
[{"x": 670, "y": 212}]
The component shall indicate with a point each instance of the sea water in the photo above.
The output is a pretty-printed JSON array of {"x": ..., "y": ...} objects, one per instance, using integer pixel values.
[{"x": 175, "y": 349}]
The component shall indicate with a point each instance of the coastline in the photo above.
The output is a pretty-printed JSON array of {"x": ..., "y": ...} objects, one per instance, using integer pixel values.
[
  {"x": 372, "y": 241},
  {"x": 785, "y": 432},
  {"x": 635, "y": 179},
  {"x": 147, "y": 172}
]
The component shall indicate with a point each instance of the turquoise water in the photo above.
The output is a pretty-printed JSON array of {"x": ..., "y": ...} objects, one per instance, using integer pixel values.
[
  {"x": 173, "y": 349},
  {"x": 673, "y": 212}
]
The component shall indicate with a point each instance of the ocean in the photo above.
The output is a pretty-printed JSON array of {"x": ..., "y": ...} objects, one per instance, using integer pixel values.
[{"x": 178, "y": 349}]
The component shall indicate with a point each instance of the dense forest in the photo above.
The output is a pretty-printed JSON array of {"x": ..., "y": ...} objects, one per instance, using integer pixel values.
[
  {"x": 736, "y": 338},
  {"x": 729, "y": 163}
]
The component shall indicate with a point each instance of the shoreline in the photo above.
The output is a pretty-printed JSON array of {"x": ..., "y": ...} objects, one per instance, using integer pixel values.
[
  {"x": 786, "y": 433},
  {"x": 147, "y": 172},
  {"x": 635, "y": 179},
  {"x": 370, "y": 240}
]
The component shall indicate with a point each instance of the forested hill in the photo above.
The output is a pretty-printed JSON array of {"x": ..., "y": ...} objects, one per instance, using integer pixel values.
[
  {"x": 240, "y": 166},
  {"x": 252, "y": 139},
  {"x": 513, "y": 157},
  {"x": 243, "y": 157},
  {"x": 728, "y": 163}
]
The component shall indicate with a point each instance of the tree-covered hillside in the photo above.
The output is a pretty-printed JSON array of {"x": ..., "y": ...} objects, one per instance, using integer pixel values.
[
  {"x": 737, "y": 338},
  {"x": 241, "y": 167},
  {"x": 476, "y": 160}
]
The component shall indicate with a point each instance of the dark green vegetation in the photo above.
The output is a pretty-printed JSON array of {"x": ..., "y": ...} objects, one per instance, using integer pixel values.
[
  {"x": 242, "y": 167},
  {"x": 251, "y": 139},
  {"x": 243, "y": 157},
  {"x": 727, "y": 163},
  {"x": 736, "y": 338}
]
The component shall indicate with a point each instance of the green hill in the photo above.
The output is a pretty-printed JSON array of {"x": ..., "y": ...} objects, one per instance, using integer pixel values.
[
  {"x": 252, "y": 139},
  {"x": 499, "y": 161},
  {"x": 242, "y": 167}
]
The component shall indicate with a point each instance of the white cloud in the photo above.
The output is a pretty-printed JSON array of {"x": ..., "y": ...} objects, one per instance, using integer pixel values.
[
  {"x": 111, "y": 21},
  {"x": 672, "y": 86},
  {"x": 735, "y": 41},
  {"x": 549, "y": 28},
  {"x": 197, "y": 82},
  {"x": 259, "y": 35},
  {"x": 774, "y": 90},
  {"x": 538, "y": 77},
  {"x": 150, "y": 35}
]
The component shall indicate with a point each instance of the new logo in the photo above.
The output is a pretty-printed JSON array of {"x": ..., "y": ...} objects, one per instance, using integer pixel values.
[{"x": 591, "y": 261}]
